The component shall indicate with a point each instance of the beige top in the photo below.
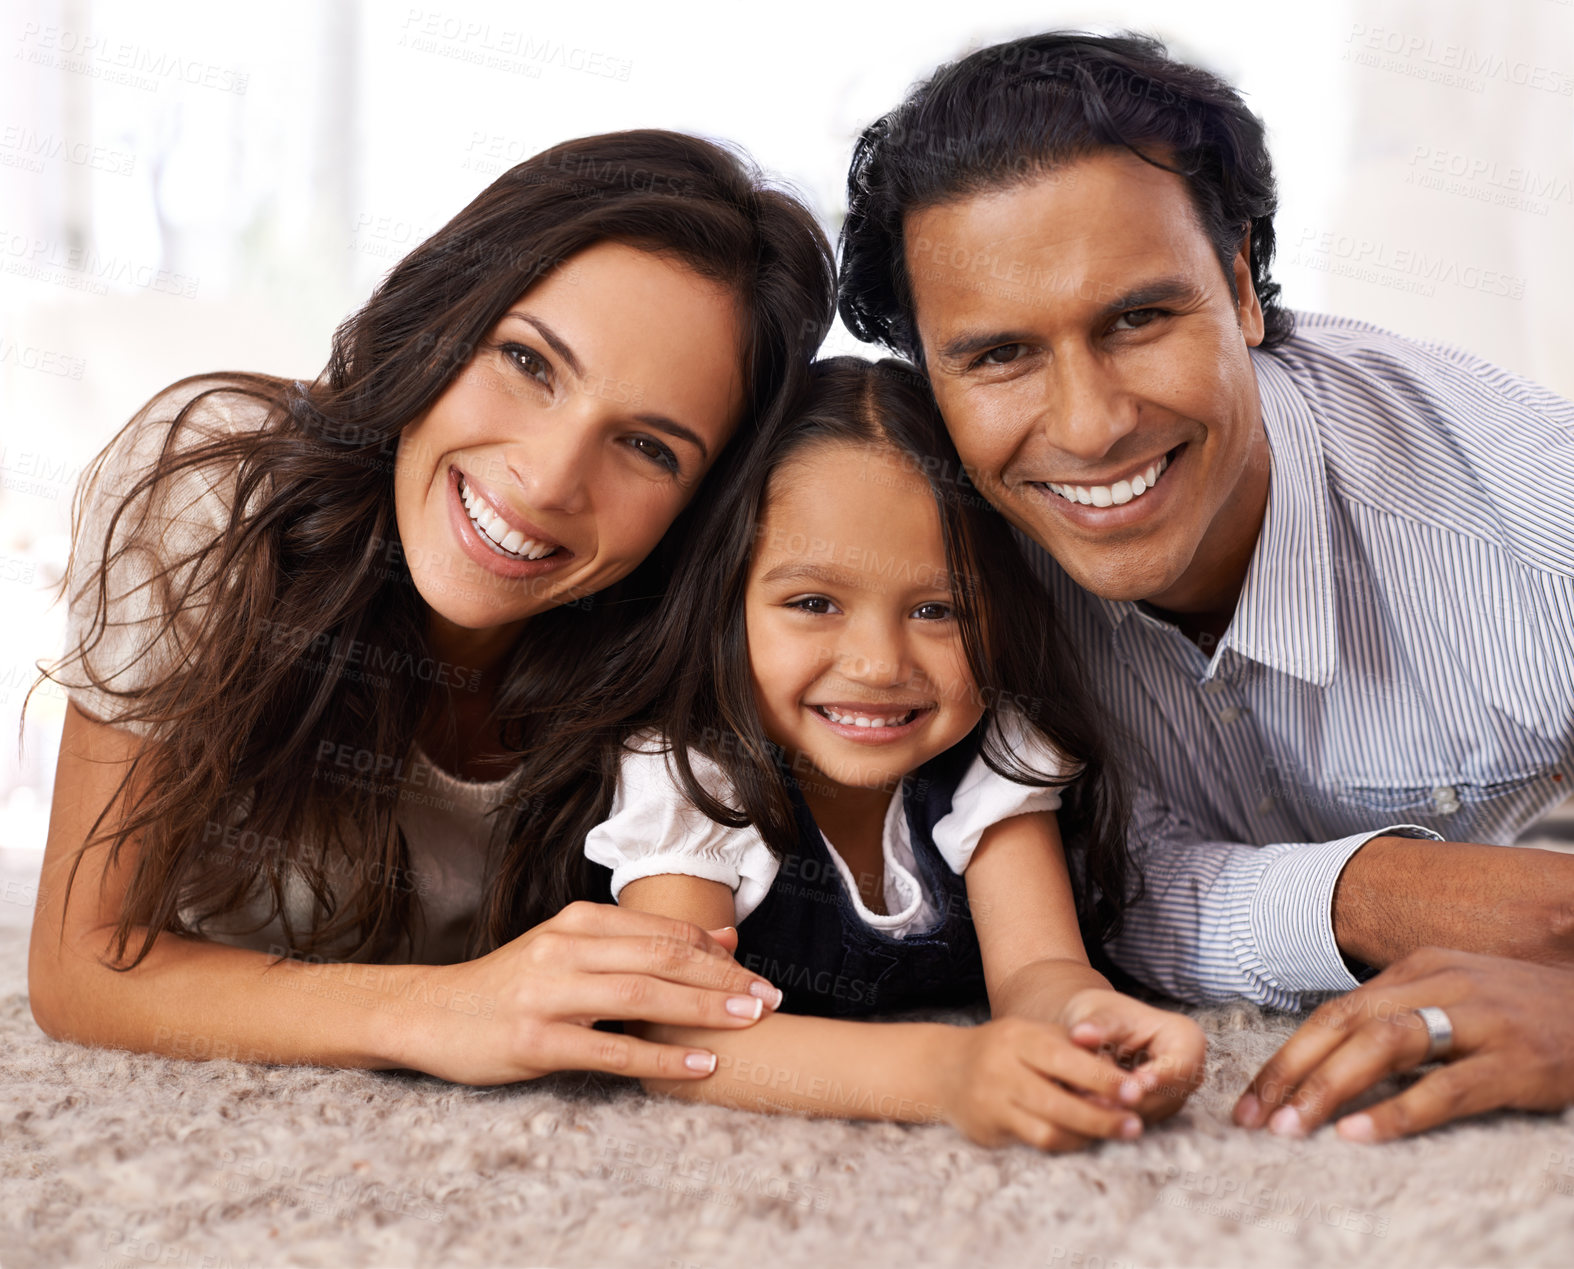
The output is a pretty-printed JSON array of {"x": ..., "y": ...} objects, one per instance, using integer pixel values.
[{"x": 445, "y": 819}]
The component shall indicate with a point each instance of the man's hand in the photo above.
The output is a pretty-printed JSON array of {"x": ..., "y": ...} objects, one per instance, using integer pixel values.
[{"x": 1513, "y": 1048}]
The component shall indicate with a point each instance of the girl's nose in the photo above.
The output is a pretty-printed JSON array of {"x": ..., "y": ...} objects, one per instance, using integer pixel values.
[{"x": 875, "y": 653}]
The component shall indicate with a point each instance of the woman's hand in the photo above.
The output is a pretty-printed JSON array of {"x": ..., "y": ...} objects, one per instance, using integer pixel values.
[
  {"x": 528, "y": 1008},
  {"x": 1014, "y": 1079},
  {"x": 1124, "y": 1028}
]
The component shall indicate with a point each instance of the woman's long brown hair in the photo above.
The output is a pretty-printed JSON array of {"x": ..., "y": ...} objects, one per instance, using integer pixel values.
[{"x": 279, "y": 611}]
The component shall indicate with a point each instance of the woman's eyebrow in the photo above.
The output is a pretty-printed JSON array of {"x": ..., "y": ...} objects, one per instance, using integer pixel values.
[
  {"x": 672, "y": 428},
  {"x": 554, "y": 341}
]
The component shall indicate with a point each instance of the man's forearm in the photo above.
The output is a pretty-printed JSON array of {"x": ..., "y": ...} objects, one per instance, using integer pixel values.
[{"x": 1397, "y": 894}]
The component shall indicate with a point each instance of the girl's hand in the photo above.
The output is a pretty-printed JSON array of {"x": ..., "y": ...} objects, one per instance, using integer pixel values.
[
  {"x": 1171, "y": 1046},
  {"x": 1018, "y": 1080},
  {"x": 527, "y": 1008}
]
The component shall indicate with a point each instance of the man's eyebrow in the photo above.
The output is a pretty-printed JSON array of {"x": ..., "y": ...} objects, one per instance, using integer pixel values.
[
  {"x": 1158, "y": 291},
  {"x": 554, "y": 341},
  {"x": 673, "y": 428}
]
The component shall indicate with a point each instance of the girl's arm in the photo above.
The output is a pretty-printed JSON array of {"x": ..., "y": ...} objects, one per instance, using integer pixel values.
[
  {"x": 519, "y": 1012},
  {"x": 1019, "y": 891},
  {"x": 991, "y": 1081}
]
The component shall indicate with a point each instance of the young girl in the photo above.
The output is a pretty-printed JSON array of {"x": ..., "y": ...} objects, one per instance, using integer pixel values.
[
  {"x": 343, "y": 654},
  {"x": 859, "y": 766}
]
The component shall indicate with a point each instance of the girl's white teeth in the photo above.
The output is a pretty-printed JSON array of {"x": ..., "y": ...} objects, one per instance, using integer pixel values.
[
  {"x": 1118, "y": 494},
  {"x": 866, "y": 720},
  {"x": 497, "y": 531}
]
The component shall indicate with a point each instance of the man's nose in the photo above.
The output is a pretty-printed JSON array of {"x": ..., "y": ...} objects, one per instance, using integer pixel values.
[{"x": 1089, "y": 410}]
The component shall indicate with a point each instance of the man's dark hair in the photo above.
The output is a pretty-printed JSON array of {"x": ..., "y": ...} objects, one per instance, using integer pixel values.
[{"x": 1013, "y": 112}]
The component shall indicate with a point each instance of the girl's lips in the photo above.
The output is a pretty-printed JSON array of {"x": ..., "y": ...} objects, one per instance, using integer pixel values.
[
  {"x": 874, "y": 735},
  {"x": 482, "y": 552}
]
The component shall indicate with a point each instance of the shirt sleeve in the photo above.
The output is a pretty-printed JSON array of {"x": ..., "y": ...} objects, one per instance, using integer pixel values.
[
  {"x": 1226, "y": 920},
  {"x": 655, "y": 831},
  {"x": 984, "y": 797},
  {"x": 143, "y": 624}
]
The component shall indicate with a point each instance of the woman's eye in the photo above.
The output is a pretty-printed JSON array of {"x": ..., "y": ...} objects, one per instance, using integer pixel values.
[
  {"x": 933, "y": 611},
  {"x": 819, "y": 605},
  {"x": 1137, "y": 318},
  {"x": 530, "y": 361},
  {"x": 655, "y": 451}
]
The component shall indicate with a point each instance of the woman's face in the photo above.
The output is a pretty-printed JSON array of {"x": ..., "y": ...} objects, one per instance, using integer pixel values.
[{"x": 556, "y": 459}]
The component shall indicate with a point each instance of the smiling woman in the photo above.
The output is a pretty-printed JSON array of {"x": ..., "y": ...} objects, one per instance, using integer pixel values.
[{"x": 342, "y": 656}]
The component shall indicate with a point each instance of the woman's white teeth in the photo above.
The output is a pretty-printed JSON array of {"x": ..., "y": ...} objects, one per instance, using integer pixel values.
[
  {"x": 866, "y": 720},
  {"x": 498, "y": 532},
  {"x": 1118, "y": 494}
]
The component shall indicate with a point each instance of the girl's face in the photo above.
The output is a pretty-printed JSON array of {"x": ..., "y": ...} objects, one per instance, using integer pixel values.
[
  {"x": 556, "y": 459},
  {"x": 854, "y": 643}
]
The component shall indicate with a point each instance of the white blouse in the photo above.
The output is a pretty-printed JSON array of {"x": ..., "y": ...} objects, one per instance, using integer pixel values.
[{"x": 654, "y": 831}]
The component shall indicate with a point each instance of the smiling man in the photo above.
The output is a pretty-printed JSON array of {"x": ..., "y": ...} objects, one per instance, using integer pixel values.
[{"x": 1322, "y": 574}]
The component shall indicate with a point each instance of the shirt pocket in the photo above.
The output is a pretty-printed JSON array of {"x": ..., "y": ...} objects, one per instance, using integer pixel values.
[{"x": 1459, "y": 810}]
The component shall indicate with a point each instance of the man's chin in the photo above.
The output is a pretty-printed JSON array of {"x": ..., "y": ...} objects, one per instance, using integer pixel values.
[{"x": 1125, "y": 579}]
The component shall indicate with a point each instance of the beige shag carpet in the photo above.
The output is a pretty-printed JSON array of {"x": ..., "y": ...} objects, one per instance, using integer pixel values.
[{"x": 116, "y": 1160}]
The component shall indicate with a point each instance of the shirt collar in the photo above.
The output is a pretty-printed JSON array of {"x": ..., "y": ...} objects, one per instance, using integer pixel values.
[{"x": 1284, "y": 618}]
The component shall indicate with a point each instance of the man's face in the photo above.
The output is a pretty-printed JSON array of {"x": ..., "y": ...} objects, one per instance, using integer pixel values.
[{"x": 1090, "y": 358}]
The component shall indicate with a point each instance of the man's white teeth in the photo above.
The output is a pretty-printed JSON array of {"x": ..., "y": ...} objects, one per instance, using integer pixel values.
[
  {"x": 1118, "y": 494},
  {"x": 497, "y": 531},
  {"x": 866, "y": 720}
]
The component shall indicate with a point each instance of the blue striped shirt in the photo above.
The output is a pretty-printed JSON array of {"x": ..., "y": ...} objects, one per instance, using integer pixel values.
[{"x": 1400, "y": 660}]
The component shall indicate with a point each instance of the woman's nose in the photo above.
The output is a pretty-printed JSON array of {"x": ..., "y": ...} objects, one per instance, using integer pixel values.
[{"x": 555, "y": 467}]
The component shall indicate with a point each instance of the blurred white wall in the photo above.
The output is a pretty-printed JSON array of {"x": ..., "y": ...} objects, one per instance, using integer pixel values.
[{"x": 189, "y": 186}]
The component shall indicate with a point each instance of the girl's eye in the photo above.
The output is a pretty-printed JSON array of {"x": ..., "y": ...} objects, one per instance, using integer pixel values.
[
  {"x": 1004, "y": 355},
  {"x": 819, "y": 605},
  {"x": 530, "y": 361},
  {"x": 1137, "y": 318},
  {"x": 655, "y": 451},
  {"x": 933, "y": 611}
]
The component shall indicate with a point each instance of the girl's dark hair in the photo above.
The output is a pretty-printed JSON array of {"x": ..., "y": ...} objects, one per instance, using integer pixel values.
[
  {"x": 280, "y": 611},
  {"x": 1011, "y": 113},
  {"x": 1009, "y": 633}
]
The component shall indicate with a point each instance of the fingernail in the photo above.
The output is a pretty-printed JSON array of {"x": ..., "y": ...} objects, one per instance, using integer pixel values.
[
  {"x": 1286, "y": 1122},
  {"x": 745, "y": 1006},
  {"x": 1131, "y": 1127},
  {"x": 701, "y": 1062},
  {"x": 1130, "y": 1091},
  {"x": 1248, "y": 1111},
  {"x": 1358, "y": 1128},
  {"x": 772, "y": 996}
]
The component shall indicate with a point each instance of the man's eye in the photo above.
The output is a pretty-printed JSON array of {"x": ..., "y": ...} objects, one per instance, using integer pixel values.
[
  {"x": 1137, "y": 318},
  {"x": 819, "y": 605},
  {"x": 933, "y": 611},
  {"x": 530, "y": 361},
  {"x": 1004, "y": 355}
]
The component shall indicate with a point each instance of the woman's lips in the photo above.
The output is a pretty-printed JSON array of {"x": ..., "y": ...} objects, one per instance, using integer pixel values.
[{"x": 482, "y": 551}]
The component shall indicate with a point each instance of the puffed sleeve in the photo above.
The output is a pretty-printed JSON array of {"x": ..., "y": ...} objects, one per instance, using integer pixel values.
[
  {"x": 984, "y": 797},
  {"x": 654, "y": 831},
  {"x": 141, "y": 625}
]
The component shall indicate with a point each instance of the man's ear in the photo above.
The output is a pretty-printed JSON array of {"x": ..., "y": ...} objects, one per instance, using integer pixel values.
[{"x": 1248, "y": 311}]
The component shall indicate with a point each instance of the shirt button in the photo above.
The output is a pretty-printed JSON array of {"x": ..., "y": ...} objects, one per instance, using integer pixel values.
[
  {"x": 1214, "y": 686},
  {"x": 1265, "y": 805},
  {"x": 1445, "y": 799},
  {"x": 1228, "y": 715}
]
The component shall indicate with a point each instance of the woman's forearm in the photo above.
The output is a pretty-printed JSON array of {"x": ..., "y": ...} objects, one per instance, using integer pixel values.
[
  {"x": 194, "y": 999},
  {"x": 792, "y": 1064}
]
